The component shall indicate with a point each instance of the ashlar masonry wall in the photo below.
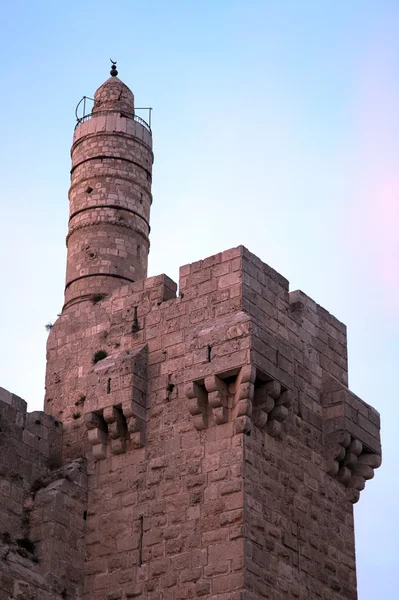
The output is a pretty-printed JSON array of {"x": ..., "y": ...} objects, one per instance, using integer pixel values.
[
  {"x": 224, "y": 449},
  {"x": 42, "y": 507}
]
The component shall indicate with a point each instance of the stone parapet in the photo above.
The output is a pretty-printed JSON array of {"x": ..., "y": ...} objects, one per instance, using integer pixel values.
[{"x": 113, "y": 122}]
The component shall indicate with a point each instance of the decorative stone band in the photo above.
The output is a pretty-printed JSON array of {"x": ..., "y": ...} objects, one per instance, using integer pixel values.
[
  {"x": 117, "y": 157},
  {"x": 108, "y": 221},
  {"x": 252, "y": 398},
  {"x": 98, "y": 275},
  {"x": 108, "y": 207},
  {"x": 124, "y": 178}
]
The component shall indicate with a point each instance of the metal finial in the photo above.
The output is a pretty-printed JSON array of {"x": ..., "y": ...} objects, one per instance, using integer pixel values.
[{"x": 113, "y": 71}]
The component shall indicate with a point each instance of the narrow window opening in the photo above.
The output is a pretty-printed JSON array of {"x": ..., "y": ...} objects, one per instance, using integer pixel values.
[
  {"x": 169, "y": 388},
  {"x": 141, "y": 197},
  {"x": 135, "y": 325},
  {"x": 140, "y": 562},
  {"x": 209, "y": 353},
  {"x": 85, "y": 515},
  {"x": 109, "y": 385}
]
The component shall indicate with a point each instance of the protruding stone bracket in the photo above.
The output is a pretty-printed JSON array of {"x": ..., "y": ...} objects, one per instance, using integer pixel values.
[
  {"x": 97, "y": 434},
  {"x": 210, "y": 400},
  {"x": 116, "y": 429},
  {"x": 243, "y": 388},
  {"x": 113, "y": 427},
  {"x": 350, "y": 461},
  {"x": 247, "y": 398},
  {"x": 272, "y": 403},
  {"x": 135, "y": 416},
  {"x": 198, "y": 404},
  {"x": 352, "y": 437},
  {"x": 218, "y": 394}
]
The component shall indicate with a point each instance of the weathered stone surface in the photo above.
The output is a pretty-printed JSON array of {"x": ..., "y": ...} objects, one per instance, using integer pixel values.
[
  {"x": 204, "y": 445},
  {"x": 110, "y": 197}
]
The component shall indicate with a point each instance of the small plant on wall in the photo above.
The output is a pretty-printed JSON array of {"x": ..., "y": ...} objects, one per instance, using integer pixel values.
[
  {"x": 81, "y": 400},
  {"x": 99, "y": 355}
]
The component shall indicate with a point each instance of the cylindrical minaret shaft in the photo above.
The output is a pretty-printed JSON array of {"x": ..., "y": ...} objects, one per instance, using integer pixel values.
[{"x": 110, "y": 196}]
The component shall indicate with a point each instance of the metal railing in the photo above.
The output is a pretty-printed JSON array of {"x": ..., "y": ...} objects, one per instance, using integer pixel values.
[{"x": 87, "y": 116}]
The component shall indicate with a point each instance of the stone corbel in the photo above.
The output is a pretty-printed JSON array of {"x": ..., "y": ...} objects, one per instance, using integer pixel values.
[
  {"x": 218, "y": 393},
  {"x": 114, "y": 426},
  {"x": 352, "y": 437},
  {"x": 208, "y": 400},
  {"x": 350, "y": 462},
  {"x": 97, "y": 435},
  {"x": 197, "y": 405},
  {"x": 135, "y": 423},
  {"x": 271, "y": 407},
  {"x": 244, "y": 388},
  {"x": 246, "y": 402},
  {"x": 116, "y": 429}
]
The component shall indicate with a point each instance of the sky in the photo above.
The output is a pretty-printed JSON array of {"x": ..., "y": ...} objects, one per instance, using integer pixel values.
[{"x": 275, "y": 126}]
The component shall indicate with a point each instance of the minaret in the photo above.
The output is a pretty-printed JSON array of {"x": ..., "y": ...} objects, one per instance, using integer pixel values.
[{"x": 109, "y": 197}]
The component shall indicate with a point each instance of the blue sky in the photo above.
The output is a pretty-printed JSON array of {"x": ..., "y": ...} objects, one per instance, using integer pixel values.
[{"x": 275, "y": 126}]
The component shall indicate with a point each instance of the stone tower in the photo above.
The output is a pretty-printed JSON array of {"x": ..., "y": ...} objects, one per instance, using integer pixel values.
[
  {"x": 198, "y": 446},
  {"x": 109, "y": 197}
]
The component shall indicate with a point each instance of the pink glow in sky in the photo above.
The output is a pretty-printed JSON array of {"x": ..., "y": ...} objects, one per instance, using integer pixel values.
[
  {"x": 375, "y": 220},
  {"x": 276, "y": 126}
]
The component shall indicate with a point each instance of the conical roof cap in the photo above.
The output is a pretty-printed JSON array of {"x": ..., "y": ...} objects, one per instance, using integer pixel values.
[{"x": 113, "y": 95}]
